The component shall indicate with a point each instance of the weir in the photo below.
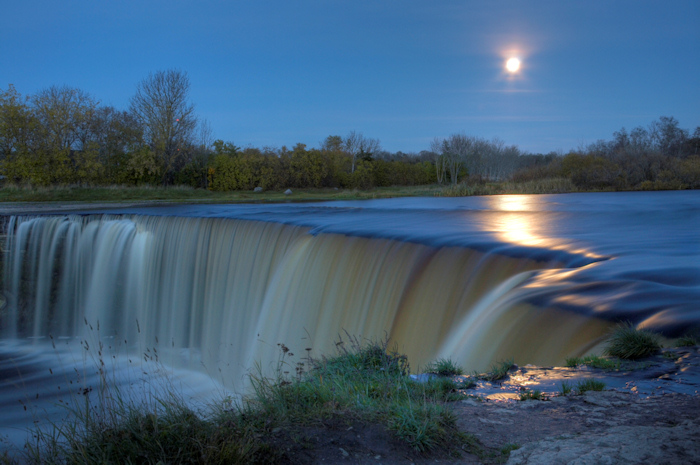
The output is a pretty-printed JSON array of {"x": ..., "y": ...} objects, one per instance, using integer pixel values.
[{"x": 220, "y": 294}]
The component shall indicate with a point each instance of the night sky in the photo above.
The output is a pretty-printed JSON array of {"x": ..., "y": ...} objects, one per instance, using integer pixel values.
[{"x": 273, "y": 73}]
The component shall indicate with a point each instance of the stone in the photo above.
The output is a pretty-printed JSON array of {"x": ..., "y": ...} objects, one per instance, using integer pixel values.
[
  {"x": 622, "y": 444},
  {"x": 258, "y": 189},
  {"x": 288, "y": 192}
]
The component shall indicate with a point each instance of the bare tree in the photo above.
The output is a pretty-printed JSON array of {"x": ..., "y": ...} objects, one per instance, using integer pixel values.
[
  {"x": 436, "y": 147},
  {"x": 205, "y": 136},
  {"x": 162, "y": 107},
  {"x": 358, "y": 145},
  {"x": 667, "y": 136},
  {"x": 454, "y": 151}
]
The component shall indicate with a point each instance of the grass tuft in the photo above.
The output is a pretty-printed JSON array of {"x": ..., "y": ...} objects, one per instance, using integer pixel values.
[
  {"x": 565, "y": 388},
  {"x": 443, "y": 367},
  {"x": 589, "y": 385},
  {"x": 498, "y": 370},
  {"x": 628, "y": 342},
  {"x": 532, "y": 395},
  {"x": 593, "y": 361},
  {"x": 687, "y": 341}
]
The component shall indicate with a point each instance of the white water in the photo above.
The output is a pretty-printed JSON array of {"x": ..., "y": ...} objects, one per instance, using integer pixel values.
[
  {"x": 221, "y": 294},
  {"x": 217, "y": 295}
]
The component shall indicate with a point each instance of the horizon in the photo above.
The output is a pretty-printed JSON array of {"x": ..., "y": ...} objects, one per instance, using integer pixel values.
[{"x": 274, "y": 74}]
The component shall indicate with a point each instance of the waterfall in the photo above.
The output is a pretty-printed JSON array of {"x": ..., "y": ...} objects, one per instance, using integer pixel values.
[{"x": 223, "y": 293}]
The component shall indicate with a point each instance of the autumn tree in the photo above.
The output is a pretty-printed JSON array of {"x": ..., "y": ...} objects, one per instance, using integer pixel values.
[
  {"x": 64, "y": 150},
  {"x": 162, "y": 107},
  {"x": 17, "y": 126}
]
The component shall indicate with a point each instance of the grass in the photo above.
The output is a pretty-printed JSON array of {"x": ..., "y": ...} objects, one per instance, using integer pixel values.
[
  {"x": 540, "y": 186},
  {"x": 364, "y": 382},
  {"x": 593, "y": 361},
  {"x": 443, "y": 367},
  {"x": 184, "y": 194},
  {"x": 687, "y": 341},
  {"x": 532, "y": 395},
  {"x": 498, "y": 370},
  {"x": 589, "y": 385},
  {"x": 628, "y": 342},
  {"x": 565, "y": 388},
  {"x": 369, "y": 382}
]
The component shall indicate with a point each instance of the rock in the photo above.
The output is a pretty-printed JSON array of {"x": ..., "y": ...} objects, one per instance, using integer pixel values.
[
  {"x": 288, "y": 192},
  {"x": 258, "y": 189},
  {"x": 621, "y": 444}
]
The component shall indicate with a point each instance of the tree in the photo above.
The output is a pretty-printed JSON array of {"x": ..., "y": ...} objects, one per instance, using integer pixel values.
[
  {"x": 119, "y": 138},
  {"x": 64, "y": 148},
  {"x": 332, "y": 144},
  {"x": 168, "y": 119},
  {"x": 16, "y": 124},
  {"x": 667, "y": 136},
  {"x": 453, "y": 152},
  {"x": 360, "y": 146},
  {"x": 65, "y": 115}
]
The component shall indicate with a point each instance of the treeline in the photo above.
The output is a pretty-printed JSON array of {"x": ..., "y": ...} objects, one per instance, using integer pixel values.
[
  {"x": 62, "y": 135},
  {"x": 329, "y": 166},
  {"x": 660, "y": 156}
]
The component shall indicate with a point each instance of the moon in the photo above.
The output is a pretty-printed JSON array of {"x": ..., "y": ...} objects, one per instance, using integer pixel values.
[{"x": 513, "y": 65}]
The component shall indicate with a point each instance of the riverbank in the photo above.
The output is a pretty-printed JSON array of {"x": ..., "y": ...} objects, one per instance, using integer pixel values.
[{"x": 65, "y": 195}]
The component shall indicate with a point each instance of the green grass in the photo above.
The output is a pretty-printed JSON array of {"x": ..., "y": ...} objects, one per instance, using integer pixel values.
[
  {"x": 589, "y": 385},
  {"x": 565, "y": 388},
  {"x": 628, "y": 342},
  {"x": 669, "y": 354},
  {"x": 443, "y": 367},
  {"x": 540, "y": 186},
  {"x": 687, "y": 341},
  {"x": 188, "y": 194},
  {"x": 593, "y": 361},
  {"x": 369, "y": 382},
  {"x": 507, "y": 449},
  {"x": 365, "y": 382},
  {"x": 532, "y": 395},
  {"x": 498, "y": 370}
]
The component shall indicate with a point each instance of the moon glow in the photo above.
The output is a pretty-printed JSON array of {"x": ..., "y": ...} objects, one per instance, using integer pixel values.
[{"x": 513, "y": 65}]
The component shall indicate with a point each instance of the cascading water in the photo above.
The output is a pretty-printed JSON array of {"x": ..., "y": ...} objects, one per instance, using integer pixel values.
[
  {"x": 217, "y": 288},
  {"x": 228, "y": 291}
]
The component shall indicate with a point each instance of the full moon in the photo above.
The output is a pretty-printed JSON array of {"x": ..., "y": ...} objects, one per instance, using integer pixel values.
[{"x": 512, "y": 65}]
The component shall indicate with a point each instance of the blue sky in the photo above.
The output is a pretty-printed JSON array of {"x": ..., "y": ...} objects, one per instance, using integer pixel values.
[{"x": 273, "y": 73}]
